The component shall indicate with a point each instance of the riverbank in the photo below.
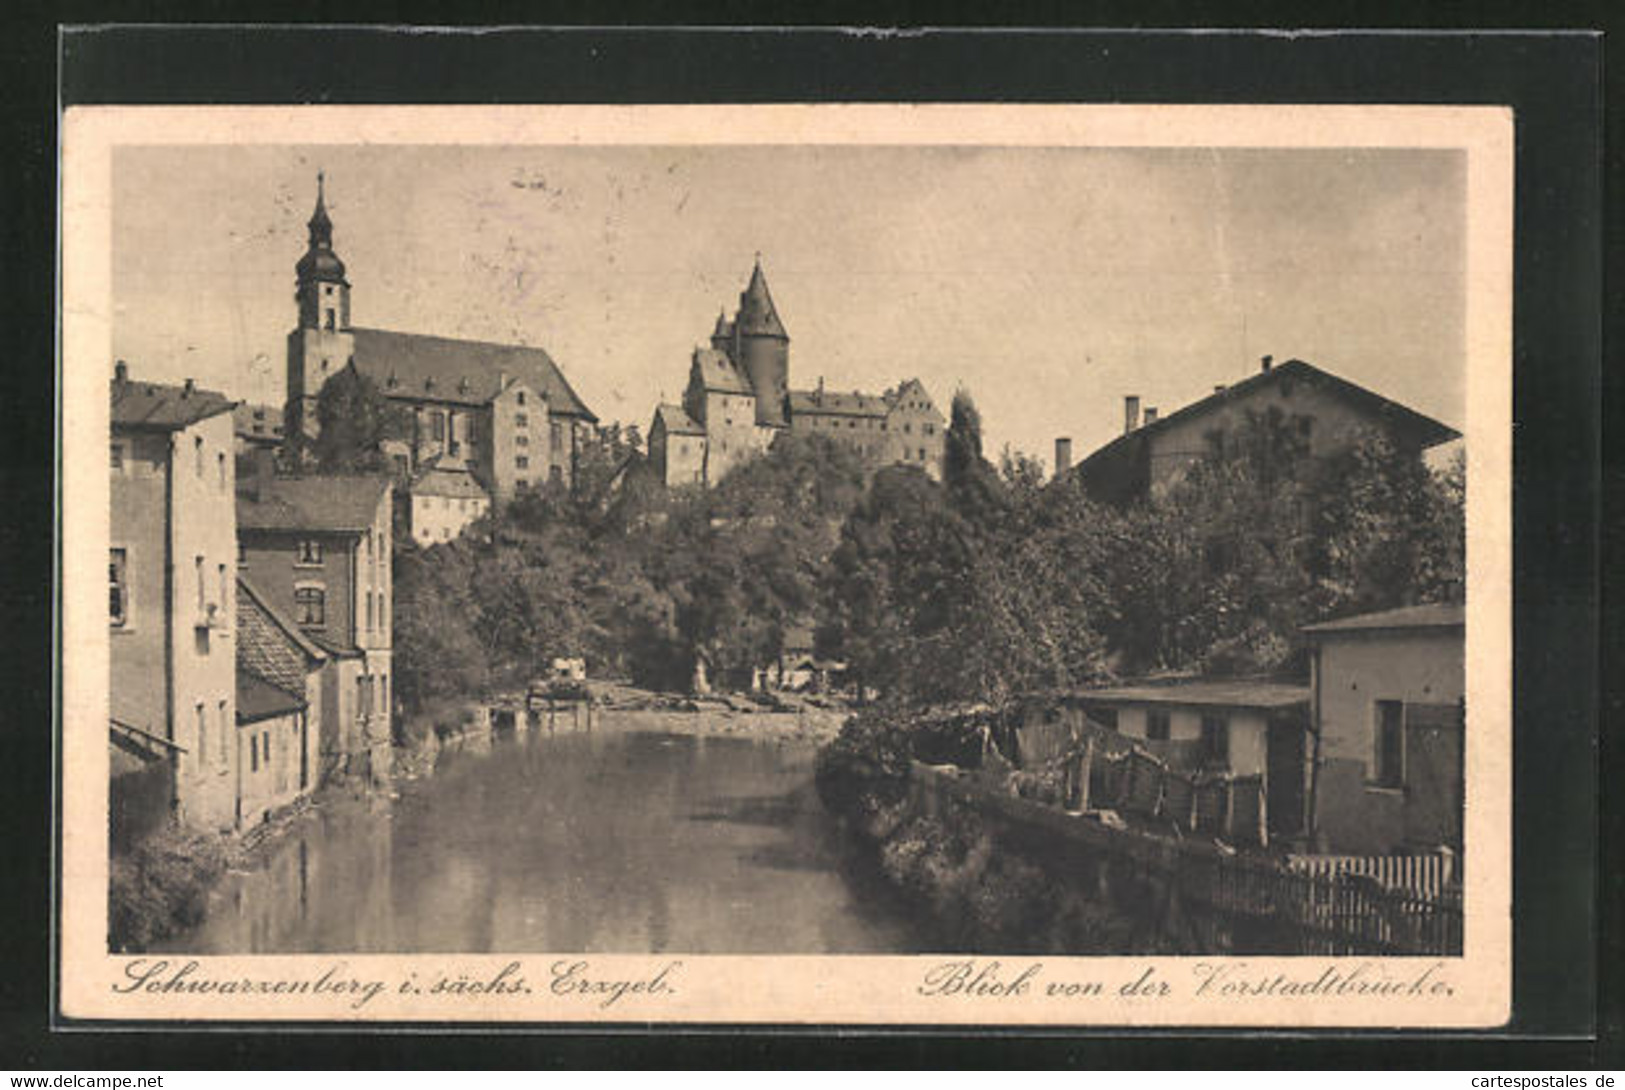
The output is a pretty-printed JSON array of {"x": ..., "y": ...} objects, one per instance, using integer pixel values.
[{"x": 982, "y": 890}]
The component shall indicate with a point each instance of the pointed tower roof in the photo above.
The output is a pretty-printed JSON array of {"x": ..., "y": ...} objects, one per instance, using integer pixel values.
[
  {"x": 757, "y": 315},
  {"x": 723, "y": 329},
  {"x": 320, "y": 262}
]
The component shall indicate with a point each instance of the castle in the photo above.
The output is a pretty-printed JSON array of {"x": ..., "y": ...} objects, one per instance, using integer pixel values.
[
  {"x": 485, "y": 419},
  {"x": 738, "y": 400}
]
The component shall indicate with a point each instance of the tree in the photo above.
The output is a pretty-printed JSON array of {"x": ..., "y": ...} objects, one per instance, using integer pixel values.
[{"x": 355, "y": 421}]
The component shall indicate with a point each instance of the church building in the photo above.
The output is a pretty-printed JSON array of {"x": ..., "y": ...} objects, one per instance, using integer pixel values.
[
  {"x": 496, "y": 417},
  {"x": 738, "y": 400}
]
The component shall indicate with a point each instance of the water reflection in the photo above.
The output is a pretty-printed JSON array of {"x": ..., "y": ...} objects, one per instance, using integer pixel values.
[{"x": 609, "y": 841}]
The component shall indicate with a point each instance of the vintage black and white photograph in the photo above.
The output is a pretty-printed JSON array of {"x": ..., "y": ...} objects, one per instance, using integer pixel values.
[{"x": 984, "y": 550}]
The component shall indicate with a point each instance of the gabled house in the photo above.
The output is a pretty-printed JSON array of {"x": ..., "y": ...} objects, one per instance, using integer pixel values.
[
  {"x": 676, "y": 447},
  {"x": 1326, "y": 411},
  {"x": 318, "y": 550},
  {"x": 280, "y": 678},
  {"x": 171, "y": 575}
]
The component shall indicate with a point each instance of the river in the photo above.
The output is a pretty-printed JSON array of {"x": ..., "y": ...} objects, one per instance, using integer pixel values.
[{"x": 614, "y": 840}]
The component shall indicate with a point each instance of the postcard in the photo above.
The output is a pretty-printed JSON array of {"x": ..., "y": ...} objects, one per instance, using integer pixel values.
[{"x": 782, "y": 565}]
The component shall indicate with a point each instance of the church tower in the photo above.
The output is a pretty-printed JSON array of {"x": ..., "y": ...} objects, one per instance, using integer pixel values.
[
  {"x": 763, "y": 349},
  {"x": 321, "y": 344}
]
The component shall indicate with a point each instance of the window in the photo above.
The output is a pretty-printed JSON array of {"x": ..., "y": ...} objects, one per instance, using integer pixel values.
[
  {"x": 521, "y": 420},
  {"x": 202, "y": 736},
  {"x": 520, "y": 397},
  {"x": 363, "y": 692},
  {"x": 118, "y": 588},
  {"x": 369, "y": 611},
  {"x": 265, "y": 747},
  {"x": 220, "y": 464},
  {"x": 908, "y": 429},
  {"x": 522, "y": 462},
  {"x": 383, "y": 692},
  {"x": 310, "y": 606},
  {"x": 224, "y": 720},
  {"x": 330, "y": 320},
  {"x": 254, "y": 752},
  {"x": 522, "y": 440},
  {"x": 556, "y": 435},
  {"x": 1388, "y": 768},
  {"x": 1215, "y": 740},
  {"x": 197, "y": 456},
  {"x": 197, "y": 565},
  {"x": 1156, "y": 726},
  {"x": 922, "y": 454},
  {"x": 437, "y": 423},
  {"x": 225, "y": 593},
  {"x": 930, "y": 429},
  {"x": 116, "y": 457},
  {"x": 309, "y": 552}
]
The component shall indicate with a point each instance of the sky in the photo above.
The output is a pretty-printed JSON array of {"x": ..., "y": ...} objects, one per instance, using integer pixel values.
[{"x": 1048, "y": 282}]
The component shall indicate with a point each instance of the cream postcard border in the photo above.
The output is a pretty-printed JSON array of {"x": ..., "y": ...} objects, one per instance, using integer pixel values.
[{"x": 821, "y": 989}]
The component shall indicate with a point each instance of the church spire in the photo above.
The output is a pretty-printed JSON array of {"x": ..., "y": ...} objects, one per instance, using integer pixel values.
[
  {"x": 321, "y": 228},
  {"x": 757, "y": 315},
  {"x": 320, "y": 263}
]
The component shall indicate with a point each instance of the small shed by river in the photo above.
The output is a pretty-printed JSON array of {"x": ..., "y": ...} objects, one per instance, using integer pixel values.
[{"x": 1240, "y": 728}]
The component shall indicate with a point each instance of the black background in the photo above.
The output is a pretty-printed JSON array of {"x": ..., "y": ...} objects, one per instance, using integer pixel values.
[{"x": 1566, "y": 920}]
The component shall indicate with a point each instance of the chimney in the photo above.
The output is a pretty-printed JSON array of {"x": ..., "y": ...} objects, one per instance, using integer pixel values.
[
  {"x": 264, "y": 472},
  {"x": 1131, "y": 413},
  {"x": 121, "y": 372},
  {"x": 1150, "y": 415},
  {"x": 1063, "y": 456},
  {"x": 502, "y": 380},
  {"x": 819, "y": 398},
  {"x": 1219, "y": 389},
  {"x": 1267, "y": 362},
  {"x": 189, "y": 389}
]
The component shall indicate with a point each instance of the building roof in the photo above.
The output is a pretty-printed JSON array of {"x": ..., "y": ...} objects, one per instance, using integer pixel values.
[
  {"x": 831, "y": 403},
  {"x": 757, "y": 316},
  {"x": 1205, "y": 693},
  {"x": 1423, "y": 431},
  {"x": 257, "y": 421},
  {"x": 456, "y": 483},
  {"x": 347, "y": 504},
  {"x": 718, "y": 373},
  {"x": 269, "y": 645},
  {"x": 1435, "y": 615},
  {"x": 417, "y": 366},
  {"x": 258, "y": 699},
  {"x": 158, "y": 407},
  {"x": 676, "y": 421}
]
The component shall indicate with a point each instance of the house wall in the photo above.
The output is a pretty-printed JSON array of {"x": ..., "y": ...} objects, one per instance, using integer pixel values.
[
  {"x": 203, "y": 525},
  {"x": 443, "y": 518},
  {"x": 914, "y": 425},
  {"x": 376, "y": 575},
  {"x": 865, "y": 436},
  {"x": 1175, "y": 447},
  {"x": 731, "y": 432},
  {"x": 677, "y": 459},
  {"x": 138, "y": 679},
  {"x": 270, "y": 561},
  {"x": 1353, "y": 673},
  {"x": 520, "y": 427},
  {"x": 268, "y": 755},
  {"x": 1249, "y": 732}
]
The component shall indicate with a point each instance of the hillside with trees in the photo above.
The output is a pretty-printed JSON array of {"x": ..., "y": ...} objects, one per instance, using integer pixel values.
[{"x": 988, "y": 583}]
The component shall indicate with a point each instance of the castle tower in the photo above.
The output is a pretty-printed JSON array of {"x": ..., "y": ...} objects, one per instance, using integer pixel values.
[
  {"x": 321, "y": 344},
  {"x": 762, "y": 348}
]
